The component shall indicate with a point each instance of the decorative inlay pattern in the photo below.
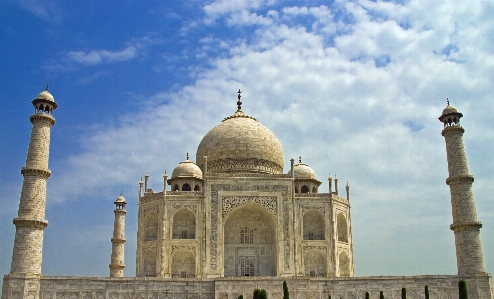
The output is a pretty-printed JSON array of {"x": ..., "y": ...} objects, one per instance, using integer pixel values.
[
  {"x": 306, "y": 209},
  {"x": 232, "y": 202},
  {"x": 327, "y": 195},
  {"x": 177, "y": 207},
  {"x": 150, "y": 209},
  {"x": 188, "y": 248},
  {"x": 310, "y": 248}
]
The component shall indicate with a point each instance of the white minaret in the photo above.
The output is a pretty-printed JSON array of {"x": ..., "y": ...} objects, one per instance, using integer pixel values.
[
  {"x": 469, "y": 255},
  {"x": 30, "y": 222},
  {"x": 117, "y": 242}
]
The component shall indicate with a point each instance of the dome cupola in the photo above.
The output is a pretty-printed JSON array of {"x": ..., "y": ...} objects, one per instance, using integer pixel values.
[
  {"x": 240, "y": 144},
  {"x": 187, "y": 169},
  {"x": 186, "y": 176},
  {"x": 450, "y": 116},
  {"x": 305, "y": 178}
]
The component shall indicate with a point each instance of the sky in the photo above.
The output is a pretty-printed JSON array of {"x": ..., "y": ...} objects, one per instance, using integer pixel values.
[{"x": 354, "y": 87}]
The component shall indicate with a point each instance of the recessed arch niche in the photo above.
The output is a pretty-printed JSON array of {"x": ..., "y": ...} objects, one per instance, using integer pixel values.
[{"x": 249, "y": 242}]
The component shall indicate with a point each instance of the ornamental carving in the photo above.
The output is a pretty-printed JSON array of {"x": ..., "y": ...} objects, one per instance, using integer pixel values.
[
  {"x": 468, "y": 178},
  {"x": 150, "y": 210},
  {"x": 306, "y": 209},
  {"x": 190, "y": 193},
  {"x": 215, "y": 221},
  {"x": 286, "y": 235},
  {"x": 188, "y": 248},
  {"x": 177, "y": 207},
  {"x": 230, "y": 203},
  {"x": 243, "y": 164},
  {"x": 310, "y": 248},
  {"x": 149, "y": 250}
]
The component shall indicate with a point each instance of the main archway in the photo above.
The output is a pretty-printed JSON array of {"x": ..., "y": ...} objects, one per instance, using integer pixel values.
[{"x": 250, "y": 242}]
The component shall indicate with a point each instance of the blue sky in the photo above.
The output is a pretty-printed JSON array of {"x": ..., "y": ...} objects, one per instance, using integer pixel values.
[{"x": 355, "y": 87}]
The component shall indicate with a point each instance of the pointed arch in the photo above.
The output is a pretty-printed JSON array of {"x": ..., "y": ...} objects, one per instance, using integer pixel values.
[
  {"x": 250, "y": 242},
  {"x": 344, "y": 264},
  {"x": 149, "y": 263},
  {"x": 304, "y": 189},
  {"x": 315, "y": 263},
  {"x": 186, "y": 187},
  {"x": 313, "y": 225},
  {"x": 183, "y": 264},
  {"x": 184, "y": 224},
  {"x": 342, "y": 228},
  {"x": 151, "y": 227}
]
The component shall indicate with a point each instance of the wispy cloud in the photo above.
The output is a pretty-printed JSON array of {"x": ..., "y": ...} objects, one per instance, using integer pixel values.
[
  {"x": 44, "y": 9},
  {"x": 222, "y": 7},
  {"x": 95, "y": 57}
]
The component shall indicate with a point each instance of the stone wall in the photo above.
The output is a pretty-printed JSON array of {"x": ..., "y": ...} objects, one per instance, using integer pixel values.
[{"x": 440, "y": 287}]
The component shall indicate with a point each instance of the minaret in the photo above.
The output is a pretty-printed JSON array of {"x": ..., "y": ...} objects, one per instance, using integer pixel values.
[
  {"x": 117, "y": 242},
  {"x": 469, "y": 255},
  {"x": 30, "y": 222}
]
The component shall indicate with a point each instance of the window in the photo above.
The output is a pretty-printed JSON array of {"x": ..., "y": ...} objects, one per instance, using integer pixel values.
[
  {"x": 312, "y": 273},
  {"x": 246, "y": 236},
  {"x": 304, "y": 189},
  {"x": 247, "y": 266},
  {"x": 186, "y": 187},
  {"x": 184, "y": 234},
  {"x": 311, "y": 236},
  {"x": 183, "y": 274}
]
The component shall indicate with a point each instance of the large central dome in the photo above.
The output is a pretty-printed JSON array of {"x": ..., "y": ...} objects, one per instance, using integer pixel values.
[{"x": 240, "y": 144}]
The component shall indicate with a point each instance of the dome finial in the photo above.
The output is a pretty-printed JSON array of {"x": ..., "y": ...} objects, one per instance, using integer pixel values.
[
  {"x": 187, "y": 156},
  {"x": 239, "y": 103},
  {"x": 299, "y": 159},
  {"x": 46, "y": 87},
  {"x": 447, "y": 101}
]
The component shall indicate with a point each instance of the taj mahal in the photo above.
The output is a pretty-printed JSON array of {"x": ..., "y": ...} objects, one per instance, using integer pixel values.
[{"x": 234, "y": 220}]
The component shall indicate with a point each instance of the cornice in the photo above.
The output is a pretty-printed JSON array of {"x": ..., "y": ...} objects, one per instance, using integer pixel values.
[
  {"x": 34, "y": 223},
  {"x": 476, "y": 225},
  {"x": 460, "y": 179},
  {"x": 452, "y": 129},
  {"x": 42, "y": 117}
]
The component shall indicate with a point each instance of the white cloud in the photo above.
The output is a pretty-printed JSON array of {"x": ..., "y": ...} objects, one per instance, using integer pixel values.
[
  {"x": 340, "y": 105},
  {"x": 222, "y": 7},
  {"x": 95, "y": 57}
]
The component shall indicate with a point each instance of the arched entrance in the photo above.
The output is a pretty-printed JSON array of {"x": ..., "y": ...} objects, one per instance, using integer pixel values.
[
  {"x": 249, "y": 242},
  {"x": 183, "y": 264}
]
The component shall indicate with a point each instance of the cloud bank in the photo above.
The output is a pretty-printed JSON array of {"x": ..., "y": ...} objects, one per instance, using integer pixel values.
[{"x": 354, "y": 88}]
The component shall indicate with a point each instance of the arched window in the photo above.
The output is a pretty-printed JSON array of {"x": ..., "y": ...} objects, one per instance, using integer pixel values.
[
  {"x": 184, "y": 225},
  {"x": 175, "y": 188},
  {"x": 197, "y": 188},
  {"x": 315, "y": 263},
  {"x": 304, "y": 189},
  {"x": 296, "y": 190},
  {"x": 342, "y": 228},
  {"x": 151, "y": 227},
  {"x": 314, "y": 189},
  {"x": 246, "y": 236},
  {"x": 186, "y": 187},
  {"x": 149, "y": 263},
  {"x": 183, "y": 264},
  {"x": 344, "y": 264},
  {"x": 247, "y": 266},
  {"x": 313, "y": 225}
]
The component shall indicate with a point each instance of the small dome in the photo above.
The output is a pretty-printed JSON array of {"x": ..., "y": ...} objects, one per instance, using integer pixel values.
[
  {"x": 302, "y": 171},
  {"x": 45, "y": 95},
  {"x": 450, "y": 109},
  {"x": 120, "y": 199},
  {"x": 241, "y": 144},
  {"x": 187, "y": 169}
]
